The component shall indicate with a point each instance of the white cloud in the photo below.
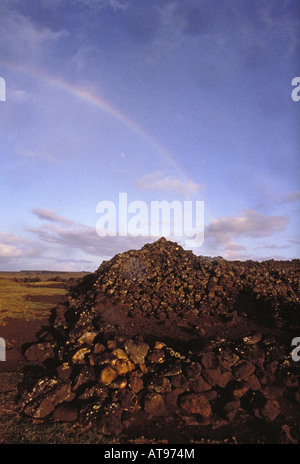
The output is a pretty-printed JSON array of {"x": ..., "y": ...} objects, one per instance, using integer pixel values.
[
  {"x": 85, "y": 239},
  {"x": 61, "y": 243},
  {"x": 51, "y": 215},
  {"x": 158, "y": 181},
  {"x": 234, "y": 247},
  {"x": 249, "y": 224},
  {"x": 220, "y": 234},
  {"x": 9, "y": 251},
  {"x": 16, "y": 248},
  {"x": 75, "y": 236}
]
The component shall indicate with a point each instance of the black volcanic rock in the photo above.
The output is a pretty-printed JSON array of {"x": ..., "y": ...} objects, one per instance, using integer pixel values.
[
  {"x": 160, "y": 332},
  {"x": 164, "y": 280}
]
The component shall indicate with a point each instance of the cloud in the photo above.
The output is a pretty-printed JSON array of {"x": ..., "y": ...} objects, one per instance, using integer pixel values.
[
  {"x": 20, "y": 37},
  {"x": 232, "y": 255},
  {"x": 8, "y": 251},
  {"x": 51, "y": 215},
  {"x": 63, "y": 244},
  {"x": 82, "y": 58},
  {"x": 233, "y": 246},
  {"x": 158, "y": 181},
  {"x": 259, "y": 23},
  {"x": 71, "y": 235},
  {"x": 232, "y": 250},
  {"x": 44, "y": 252},
  {"x": 60, "y": 242},
  {"x": 85, "y": 239},
  {"x": 291, "y": 197},
  {"x": 220, "y": 234},
  {"x": 294, "y": 241},
  {"x": 19, "y": 96},
  {"x": 249, "y": 224},
  {"x": 273, "y": 246},
  {"x": 98, "y": 4},
  {"x": 15, "y": 248}
]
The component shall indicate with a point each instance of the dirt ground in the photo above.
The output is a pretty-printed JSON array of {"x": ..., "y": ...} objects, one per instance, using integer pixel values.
[{"x": 18, "y": 333}]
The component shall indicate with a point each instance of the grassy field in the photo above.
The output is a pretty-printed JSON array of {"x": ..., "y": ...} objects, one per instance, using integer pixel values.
[
  {"x": 18, "y": 300},
  {"x": 21, "y": 297}
]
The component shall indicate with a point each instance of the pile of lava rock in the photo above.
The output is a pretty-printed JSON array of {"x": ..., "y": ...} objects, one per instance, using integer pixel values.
[{"x": 141, "y": 340}]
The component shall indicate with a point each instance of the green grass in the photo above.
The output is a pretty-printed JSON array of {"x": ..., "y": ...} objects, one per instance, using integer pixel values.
[{"x": 14, "y": 303}]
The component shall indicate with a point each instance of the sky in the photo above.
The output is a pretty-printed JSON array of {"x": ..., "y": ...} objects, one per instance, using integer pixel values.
[{"x": 161, "y": 100}]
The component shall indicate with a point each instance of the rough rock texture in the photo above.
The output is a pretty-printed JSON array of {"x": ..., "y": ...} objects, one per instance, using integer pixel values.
[{"x": 161, "y": 334}]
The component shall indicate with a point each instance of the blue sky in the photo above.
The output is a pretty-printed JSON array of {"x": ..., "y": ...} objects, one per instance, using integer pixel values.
[{"x": 161, "y": 99}]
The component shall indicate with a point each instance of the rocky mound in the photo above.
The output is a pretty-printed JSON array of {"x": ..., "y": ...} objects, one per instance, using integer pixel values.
[{"x": 160, "y": 334}]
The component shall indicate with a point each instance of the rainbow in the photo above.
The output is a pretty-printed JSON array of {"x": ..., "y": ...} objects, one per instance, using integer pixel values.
[
  {"x": 100, "y": 103},
  {"x": 103, "y": 105}
]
